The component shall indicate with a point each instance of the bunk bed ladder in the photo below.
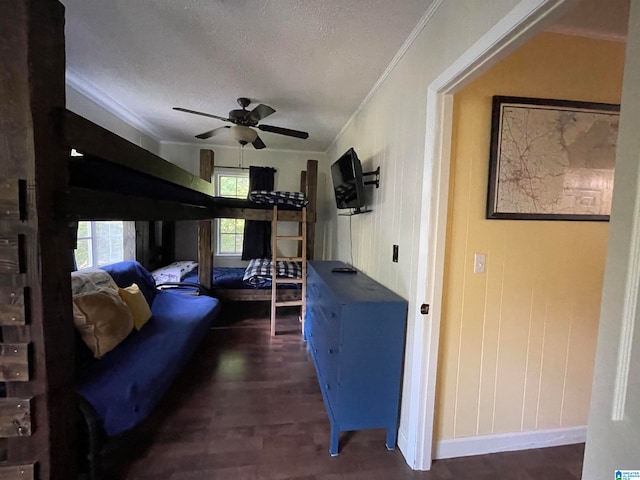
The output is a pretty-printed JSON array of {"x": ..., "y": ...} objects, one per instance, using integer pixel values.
[{"x": 302, "y": 259}]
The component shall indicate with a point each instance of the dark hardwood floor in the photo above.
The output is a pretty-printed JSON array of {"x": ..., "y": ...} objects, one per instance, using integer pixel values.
[{"x": 249, "y": 407}]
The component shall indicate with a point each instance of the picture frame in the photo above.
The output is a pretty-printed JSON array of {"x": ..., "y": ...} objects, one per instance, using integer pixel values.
[{"x": 551, "y": 159}]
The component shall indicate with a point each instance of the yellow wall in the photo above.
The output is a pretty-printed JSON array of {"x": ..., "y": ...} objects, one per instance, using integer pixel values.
[{"x": 518, "y": 341}]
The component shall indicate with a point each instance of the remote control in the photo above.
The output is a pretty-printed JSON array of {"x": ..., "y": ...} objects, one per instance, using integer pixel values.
[{"x": 344, "y": 270}]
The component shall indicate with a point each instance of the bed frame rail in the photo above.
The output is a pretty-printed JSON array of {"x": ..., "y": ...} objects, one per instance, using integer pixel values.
[{"x": 117, "y": 180}]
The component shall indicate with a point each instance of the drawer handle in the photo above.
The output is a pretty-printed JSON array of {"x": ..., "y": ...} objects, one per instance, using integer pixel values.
[
  {"x": 315, "y": 350},
  {"x": 333, "y": 315},
  {"x": 330, "y": 351},
  {"x": 328, "y": 387}
]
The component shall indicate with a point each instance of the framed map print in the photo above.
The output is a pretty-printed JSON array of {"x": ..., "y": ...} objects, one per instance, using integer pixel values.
[{"x": 551, "y": 159}]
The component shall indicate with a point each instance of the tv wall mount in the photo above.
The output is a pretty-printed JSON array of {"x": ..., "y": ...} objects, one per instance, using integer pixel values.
[{"x": 375, "y": 182}]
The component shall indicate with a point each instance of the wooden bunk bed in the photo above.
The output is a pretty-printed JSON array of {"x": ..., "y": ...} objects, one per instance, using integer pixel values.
[
  {"x": 44, "y": 193},
  {"x": 308, "y": 186}
]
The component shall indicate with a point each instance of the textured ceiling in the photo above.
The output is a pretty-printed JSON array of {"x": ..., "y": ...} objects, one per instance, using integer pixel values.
[{"x": 313, "y": 61}]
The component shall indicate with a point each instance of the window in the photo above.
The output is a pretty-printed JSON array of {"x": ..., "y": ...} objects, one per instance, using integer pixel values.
[
  {"x": 230, "y": 231},
  {"x": 99, "y": 243}
]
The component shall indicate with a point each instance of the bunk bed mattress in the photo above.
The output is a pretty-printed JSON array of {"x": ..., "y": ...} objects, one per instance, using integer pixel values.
[
  {"x": 126, "y": 384},
  {"x": 231, "y": 278}
]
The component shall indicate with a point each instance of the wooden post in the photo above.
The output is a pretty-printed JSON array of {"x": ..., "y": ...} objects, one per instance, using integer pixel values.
[
  {"x": 205, "y": 257},
  {"x": 312, "y": 195},
  {"x": 35, "y": 290}
]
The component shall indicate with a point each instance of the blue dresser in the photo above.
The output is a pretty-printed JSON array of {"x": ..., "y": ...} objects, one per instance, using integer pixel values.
[{"x": 355, "y": 329}]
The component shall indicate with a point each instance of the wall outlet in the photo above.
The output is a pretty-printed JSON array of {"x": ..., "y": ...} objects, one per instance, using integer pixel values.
[
  {"x": 479, "y": 262},
  {"x": 394, "y": 258}
]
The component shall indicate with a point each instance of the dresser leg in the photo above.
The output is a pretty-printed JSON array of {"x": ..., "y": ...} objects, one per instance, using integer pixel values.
[
  {"x": 335, "y": 438},
  {"x": 392, "y": 436}
]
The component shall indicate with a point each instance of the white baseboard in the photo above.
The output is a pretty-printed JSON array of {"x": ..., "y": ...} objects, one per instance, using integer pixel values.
[
  {"x": 483, "y": 444},
  {"x": 403, "y": 445}
]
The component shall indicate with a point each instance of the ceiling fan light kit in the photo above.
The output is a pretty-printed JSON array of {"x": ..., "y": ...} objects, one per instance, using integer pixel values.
[
  {"x": 243, "y": 135},
  {"x": 243, "y": 120}
]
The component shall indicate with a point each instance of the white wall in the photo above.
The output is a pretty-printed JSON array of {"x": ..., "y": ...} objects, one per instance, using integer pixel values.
[
  {"x": 389, "y": 131},
  {"x": 87, "y": 108},
  {"x": 288, "y": 165}
]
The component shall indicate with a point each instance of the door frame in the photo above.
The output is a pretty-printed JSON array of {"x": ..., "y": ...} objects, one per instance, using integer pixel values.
[{"x": 525, "y": 20}]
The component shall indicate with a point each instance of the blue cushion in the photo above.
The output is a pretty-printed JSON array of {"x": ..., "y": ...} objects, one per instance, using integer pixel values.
[
  {"x": 127, "y": 383},
  {"x": 128, "y": 272}
]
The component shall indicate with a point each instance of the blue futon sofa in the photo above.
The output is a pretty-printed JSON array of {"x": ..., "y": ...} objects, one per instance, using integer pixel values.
[{"x": 121, "y": 389}]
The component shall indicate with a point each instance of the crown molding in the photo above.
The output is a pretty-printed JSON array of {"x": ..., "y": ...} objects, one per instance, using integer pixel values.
[
  {"x": 586, "y": 33},
  {"x": 83, "y": 86}
]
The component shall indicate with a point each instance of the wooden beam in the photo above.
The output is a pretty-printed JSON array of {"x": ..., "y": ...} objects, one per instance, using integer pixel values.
[
  {"x": 91, "y": 139},
  {"x": 256, "y": 295},
  {"x": 32, "y": 90},
  {"x": 87, "y": 204},
  {"x": 312, "y": 195},
  {"x": 205, "y": 257},
  {"x": 256, "y": 214}
]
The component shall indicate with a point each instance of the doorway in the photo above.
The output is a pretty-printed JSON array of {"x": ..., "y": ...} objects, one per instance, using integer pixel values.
[{"x": 521, "y": 24}]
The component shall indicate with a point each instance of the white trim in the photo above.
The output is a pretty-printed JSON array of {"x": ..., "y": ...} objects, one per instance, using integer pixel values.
[
  {"x": 508, "y": 442},
  {"x": 583, "y": 32},
  {"x": 629, "y": 312},
  {"x": 394, "y": 61},
  {"x": 521, "y": 23},
  {"x": 514, "y": 29},
  {"x": 84, "y": 87}
]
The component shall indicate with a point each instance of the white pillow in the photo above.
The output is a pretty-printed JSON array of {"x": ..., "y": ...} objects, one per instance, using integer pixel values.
[{"x": 174, "y": 272}]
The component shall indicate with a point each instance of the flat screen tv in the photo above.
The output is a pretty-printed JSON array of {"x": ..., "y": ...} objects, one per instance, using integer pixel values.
[{"x": 348, "y": 186}]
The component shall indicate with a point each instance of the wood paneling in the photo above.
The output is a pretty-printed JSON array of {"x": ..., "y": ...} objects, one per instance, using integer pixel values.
[
  {"x": 10, "y": 254},
  {"x": 14, "y": 362},
  {"x": 15, "y": 417},
  {"x": 10, "y": 199},
  {"x": 18, "y": 472},
  {"x": 12, "y": 311}
]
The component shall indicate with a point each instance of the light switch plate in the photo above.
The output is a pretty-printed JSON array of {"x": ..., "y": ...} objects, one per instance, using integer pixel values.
[{"x": 479, "y": 262}]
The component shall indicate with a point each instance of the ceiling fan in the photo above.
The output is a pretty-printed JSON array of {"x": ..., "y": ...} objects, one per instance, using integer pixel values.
[{"x": 245, "y": 119}]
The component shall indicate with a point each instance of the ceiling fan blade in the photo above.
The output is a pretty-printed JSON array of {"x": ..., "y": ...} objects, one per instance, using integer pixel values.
[
  {"x": 210, "y": 133},
  {"x": 283, "y": 131},
  {"x": 260, "y": 112},
  {"x": 258, "y": 144},
  {"x": 201, "y": 113}
]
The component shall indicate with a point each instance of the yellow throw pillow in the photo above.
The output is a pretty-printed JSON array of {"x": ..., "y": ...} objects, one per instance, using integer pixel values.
[
  {"x": 137, "y": 304},
  {"x": 102, "y": 319}
]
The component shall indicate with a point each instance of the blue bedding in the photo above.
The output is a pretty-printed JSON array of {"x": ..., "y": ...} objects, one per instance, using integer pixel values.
[
  {"x": 231, "y": 278},
  {"x": 222, "y": 277},
  {"x": 127, "y": 383}
]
